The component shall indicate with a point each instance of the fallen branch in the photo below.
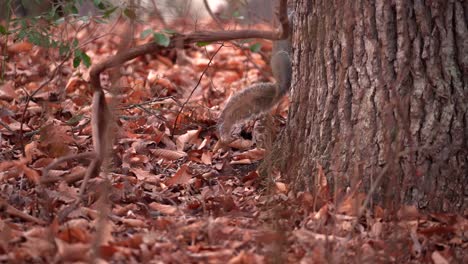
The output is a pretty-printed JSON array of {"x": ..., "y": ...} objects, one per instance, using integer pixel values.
[{"x": 4, "y": 206}]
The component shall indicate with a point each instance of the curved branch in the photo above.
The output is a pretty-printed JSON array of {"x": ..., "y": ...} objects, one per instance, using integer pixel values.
[{"x": 200, "y": 36}]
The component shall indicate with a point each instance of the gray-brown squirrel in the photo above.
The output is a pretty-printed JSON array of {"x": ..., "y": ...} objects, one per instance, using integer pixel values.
[{"x": 260, "y": 97}]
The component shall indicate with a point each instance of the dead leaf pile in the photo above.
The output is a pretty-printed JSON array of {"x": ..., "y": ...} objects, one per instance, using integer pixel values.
[{"x": 174, "y": 197}]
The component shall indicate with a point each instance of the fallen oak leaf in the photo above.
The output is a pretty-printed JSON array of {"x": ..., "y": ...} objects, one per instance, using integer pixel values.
[
  {"x": 182, "y": 176},
  {"x": 190, "y": 137},
  {"x": 72, "y": 252},
  {"x": 207, "y": 157},
  {"x": 163, "y": 208},
  {"x": 7, "y": 91},
  {"x": 241, "y": 162},
  {"x": 18, "y": 168},
  {"x": 281, "y": 187},
  {"x": 168, "y": 154},
  {"x": 74, "y": 234},
  {"x": 144, "y": 175},
  {"x": 132, "y": 222}
]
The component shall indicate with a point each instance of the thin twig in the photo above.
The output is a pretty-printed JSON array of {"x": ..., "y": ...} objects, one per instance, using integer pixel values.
[
  {"x": 196, "y": 86},
  {"x": 18, "y": 213}
]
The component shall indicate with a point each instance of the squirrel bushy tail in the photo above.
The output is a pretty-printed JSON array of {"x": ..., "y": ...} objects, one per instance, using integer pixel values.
[{"x": 261, "y": 97}]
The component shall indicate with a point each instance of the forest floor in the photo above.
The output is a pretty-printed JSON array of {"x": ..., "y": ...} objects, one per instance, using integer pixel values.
[{"x": 169, "y": 195}]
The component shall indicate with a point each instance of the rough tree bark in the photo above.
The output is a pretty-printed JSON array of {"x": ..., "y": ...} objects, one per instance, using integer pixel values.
[{"x": 380, "y": 97}]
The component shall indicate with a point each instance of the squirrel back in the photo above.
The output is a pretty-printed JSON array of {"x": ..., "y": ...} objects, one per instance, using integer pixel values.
[{"x": 261, "y": 97}]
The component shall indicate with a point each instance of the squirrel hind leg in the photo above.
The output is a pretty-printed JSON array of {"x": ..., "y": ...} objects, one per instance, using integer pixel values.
[{"x": 251, "y": 102}]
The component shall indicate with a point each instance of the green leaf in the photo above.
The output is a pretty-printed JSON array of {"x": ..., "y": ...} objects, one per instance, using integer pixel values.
[
  {"x": 81, "y": 56},
  {"x": 161, "y": 39},
  {"x": 130, "y": 13},
  {"x": 146, "y": 33},
  {"x": 22, "y": 34},
  {"x": 38, "y": 39},
  {"x": 244, "y": 40},
  {"x": 203, "y": 43},
  {"x": 99, "y": 20},
  {"x": 74, "y": 10},
  {"x": 3, "y": 30},
  {"x": 84, "y": 57},
  {"x": 76, "y": 61},
  {"x": 109, "y": 12},
  {"x": 236, "y": 14},
  {"x": 169, "y": 31},
  {"x": 64, "y": 48},
  {"x": 255, "y": 47},
  {"x": 86, "y": 60}
]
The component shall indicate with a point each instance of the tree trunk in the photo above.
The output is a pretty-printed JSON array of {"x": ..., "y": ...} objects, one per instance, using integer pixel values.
[{"x": 380, "y": 98}]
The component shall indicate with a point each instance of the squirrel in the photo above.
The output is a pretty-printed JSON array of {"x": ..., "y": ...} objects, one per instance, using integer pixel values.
[{"x": 260, "y": 97}]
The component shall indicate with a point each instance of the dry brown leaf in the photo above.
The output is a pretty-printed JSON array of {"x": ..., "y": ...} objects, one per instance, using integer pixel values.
[
  {"x": 182, "y": 176},
  {"x": 145, "y": 175},
  {"x": 323, "y": 213},
  {"x": 281, "y": 187},
  {"x": 438, "y": 258},
  {"x": 32, "y": 151},
  {"x": 376, "y": 230},
  {"x": 72, "y": 252},
  {"x": 204, "y": 143},
  {"x": 55, "y": 140},
  {"x": 229, "y": 76},
  {"x": 168, "y": 142},
  {"x": 18, "y": 168},
  {"x": 408, "y": 212},
  {"x": 351, "y": 204},
  {"x": 190, "y": 136},
  {"x": 107, "y": 251},
  {"x": 309, "y": 236},
  {"x": 168, "y": 154},
  {"x": 74, "y": 234},
  {"x": 31, "y": 174},
  {"x": 7, "y": 91},
  {"x": 18, "y": 47},
  {"x": 206, "y": 157},
  {"x": 241, "y": 162},
  {"x": 250, "y": 177},
  {"x": 15, "y": 126},
  {"x": 37, "y": 247},
  {"x": 246, "y": 258},
  {"x": 163, "y": 208},
  {"x": 137, "y": 159},
  {"x": 134, "y": 222},
  {"x": 73, "y": 84}
]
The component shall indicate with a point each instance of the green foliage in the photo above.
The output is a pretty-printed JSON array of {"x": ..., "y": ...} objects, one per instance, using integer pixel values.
[
  {"x": 3, "y": 30},
  {"x": 81, "y": 56},
  {"x": 41, "y": 18},
  {"x": 203, "y": 43},
  {"x": 255, "y": 47},
  {"x": 161, "y": 38}
]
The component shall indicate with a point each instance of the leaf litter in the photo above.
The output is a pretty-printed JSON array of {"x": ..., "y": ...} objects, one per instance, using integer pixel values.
[{"x": 176, "y": 198}]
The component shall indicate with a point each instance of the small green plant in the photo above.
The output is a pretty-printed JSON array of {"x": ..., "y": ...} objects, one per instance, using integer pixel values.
[{"x": 161, "y": 38}]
